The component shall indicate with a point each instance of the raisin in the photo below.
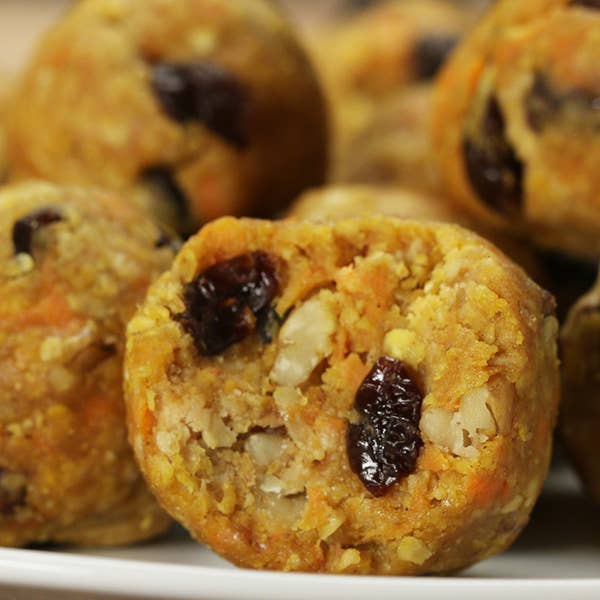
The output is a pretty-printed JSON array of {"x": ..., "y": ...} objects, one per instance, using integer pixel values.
[
  {"x": 206, "y": 93},
  {"x": 227, "y": 301},
  {"x": 593, "y": 4},
  {"x": 25, "y": 228},
  {"x": 13, "y": 491},
  {"x": 495, "y": 171},
  {"x": 430, "y": 53},
  {"x": 383, "y": 446}
]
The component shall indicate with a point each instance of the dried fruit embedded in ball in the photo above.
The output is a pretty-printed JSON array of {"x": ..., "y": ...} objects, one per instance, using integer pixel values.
[
  {"x": 430, "y": 53},
  {"x": 495, "y": 171},
  {"x": 203, "y": 92},
  {"x": 25, "y": 228},
  {"x": 226, "y": 301},
  {"x": 384, "y": 444}
]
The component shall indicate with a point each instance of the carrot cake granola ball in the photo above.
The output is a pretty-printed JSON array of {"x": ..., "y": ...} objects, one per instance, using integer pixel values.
[
  {"x": 516, "y": 122},
  {"x": 73, "y": 266},
  {"x": 367, "y": 61},
  {"x": 209, "y": 104},
  {"x": 288, "y": 382},
  {"x": 580, "y": 407}
]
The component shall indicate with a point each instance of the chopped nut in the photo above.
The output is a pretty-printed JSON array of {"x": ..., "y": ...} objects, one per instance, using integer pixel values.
[
  {"x": 304, "y": 341},
  {"x": 463, "y": 432},
  {"x": 349, "y": 557},
  {"x": 264, "y": 448},
  {"x": 413, "y": 550}
]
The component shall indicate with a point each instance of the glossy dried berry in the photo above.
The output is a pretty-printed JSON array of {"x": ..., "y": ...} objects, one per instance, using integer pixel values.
[
  {"x": 493, "y": 168},
  {"x": 206, "y": 93},
  {"x": 430, "y": 53},
  {"x": 383, "y": 446},
  {"x": 227, "y": 301},
  {"x": 25, "y": 228}
]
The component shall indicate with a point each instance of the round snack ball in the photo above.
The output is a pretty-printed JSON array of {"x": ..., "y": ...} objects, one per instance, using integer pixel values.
[
  {"x": 393, "y": 147},
  {"x": 580, "y": 405},
  {"x": 212, "y": 103},
  {"x": 515, "y": 122},
  {"x": 369, "y": 57},
  {"x": 74, "y": 264},
  {"x": 287, "y": 381},
  {"x": 338, "y": 202}
]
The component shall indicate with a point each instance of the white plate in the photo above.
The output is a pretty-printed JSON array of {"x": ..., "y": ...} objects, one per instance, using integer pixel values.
[{"x": 557, "y": 557}]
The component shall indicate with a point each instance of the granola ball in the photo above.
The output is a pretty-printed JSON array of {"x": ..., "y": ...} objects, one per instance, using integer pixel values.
[
  {"x": 516, "y": 123},
  {"x": 211, "y": 104},
  {"x": 367, "y": 60},
  {"x": 287, "y": 381},
  {"x": 337, "y": 202},
  {"x": 580, "y": 406},
  {"x": 73, "y": 266},
  {"x": 393, "y": 147}
]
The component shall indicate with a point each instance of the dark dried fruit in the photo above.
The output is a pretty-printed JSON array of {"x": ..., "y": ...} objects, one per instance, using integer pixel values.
[
  {"x": 545, "y": 104},
  {"x": 495, "y": 171},
  {"x": 227, "y": 301},
  {"x": 384, "y": 444},
  {"x": 430, "y": 53},
  {"x": 25, "y": 228},
  {"x": 13, "y": 491},
  {"x": 206, "y": 93},
  {"x": 593, "y": 4}
]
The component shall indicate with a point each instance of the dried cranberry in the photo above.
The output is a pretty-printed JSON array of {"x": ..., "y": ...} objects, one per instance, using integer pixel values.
[
  {"x": 203, "y": 92},
  {"x": 495, "y": 171},
  {"x": 383, "y": 446},
  {"x": 25, "y": 228},
  {"x": 225, "y": 303},
  {"x": 430, "y": 53}
]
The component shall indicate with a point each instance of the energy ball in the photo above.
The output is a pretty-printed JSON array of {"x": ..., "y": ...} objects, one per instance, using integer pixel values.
[
  {"x": 580, "y": 406},
  {"x": 369, "y": 396},
  {"x": 393, "y": 146},
  {"x": 367, "y": 60},
  {"x": 73, "y": 266},
  {"x": 516, "y": 122},
  {"x": 210, "y": 105}
]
